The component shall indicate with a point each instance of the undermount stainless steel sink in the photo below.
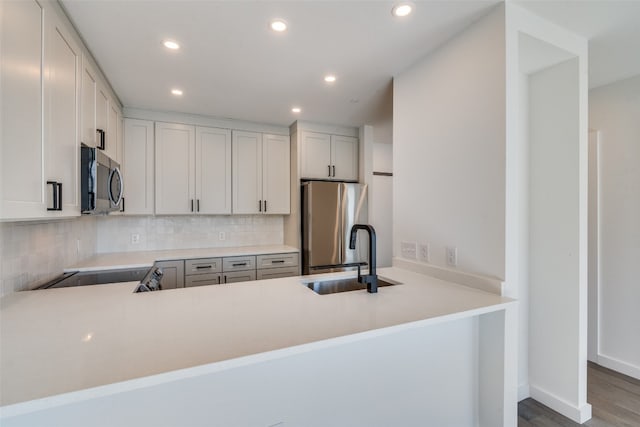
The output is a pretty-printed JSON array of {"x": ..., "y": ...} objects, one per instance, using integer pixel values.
[{"x": 324, "y": 287}]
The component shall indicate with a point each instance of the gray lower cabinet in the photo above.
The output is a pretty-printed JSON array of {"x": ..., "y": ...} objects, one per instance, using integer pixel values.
[
  {"x": 215, "y": 271},
  {"x": 202, "y": 272},
  {"x": 202, "y": 279},
  {"x": 238, "y": 276},
  {"x": 275, "y": 273},
  {"x": 274, "y": 266},
  {"x": 172, "y": 273}
]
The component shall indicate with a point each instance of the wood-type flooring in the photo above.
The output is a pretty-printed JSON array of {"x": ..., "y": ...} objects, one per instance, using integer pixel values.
[{"x": 614, "y": 398}]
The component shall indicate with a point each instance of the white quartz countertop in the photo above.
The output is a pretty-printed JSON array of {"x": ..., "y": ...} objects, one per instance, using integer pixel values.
[
  {"x": 118, "y": 260},
  {"x": 65, "y": 340}
]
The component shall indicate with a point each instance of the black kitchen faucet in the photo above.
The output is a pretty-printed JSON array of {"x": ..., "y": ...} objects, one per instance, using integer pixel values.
[{"x": 370, "y": 279}]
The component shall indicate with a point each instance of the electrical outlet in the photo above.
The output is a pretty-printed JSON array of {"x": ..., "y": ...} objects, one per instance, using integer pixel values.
[
  {"x": 135, "y": 238},
  {"x": 452, "y": 256},
  {"x": 408, "y": 250},
  {"x": 424, "y": 252},
  {"x": 222, "y": 235}
]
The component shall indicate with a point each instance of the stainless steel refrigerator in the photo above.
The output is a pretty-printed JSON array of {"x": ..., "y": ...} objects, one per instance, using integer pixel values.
[{"x": 329, "y": 210}]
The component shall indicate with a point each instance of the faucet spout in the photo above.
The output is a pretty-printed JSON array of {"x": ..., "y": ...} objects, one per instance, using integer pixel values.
[{"x": 370, "y": 279}]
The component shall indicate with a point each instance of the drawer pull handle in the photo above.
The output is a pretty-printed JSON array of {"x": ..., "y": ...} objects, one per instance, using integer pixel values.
[
  {"x": 202, "y": 267},
  {"x": 239, "y": 264},
  {"x": 277, "y": 261}
]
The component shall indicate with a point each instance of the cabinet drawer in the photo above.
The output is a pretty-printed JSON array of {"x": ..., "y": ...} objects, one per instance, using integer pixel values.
[
  {"x": 202, "y": 280},
  {"x": 239, "y": 263},
  {"x": 203, "y": 266},
  {"x": 277, "y": 260},
  {"x": 274, "y": 273},
  {"x": 239, "y": 276}
]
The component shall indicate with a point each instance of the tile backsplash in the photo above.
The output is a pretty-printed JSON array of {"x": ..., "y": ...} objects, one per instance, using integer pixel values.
[
  {"x": 185, "y": 232},
  {"x": 32, "y": 253}
]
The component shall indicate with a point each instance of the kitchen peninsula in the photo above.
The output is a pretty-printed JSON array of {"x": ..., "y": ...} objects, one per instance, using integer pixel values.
[{"x": 259, "y": 353}]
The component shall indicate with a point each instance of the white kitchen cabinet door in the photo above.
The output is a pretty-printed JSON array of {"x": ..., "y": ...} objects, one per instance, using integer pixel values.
[
  {"x": 175, "y": 186},
  {"x": 276, "y": 177},
  {"x": 113, "y": 130},
  {"x": 344, "y": 158},
  {"x": 316, "y": 155},
  {"x": 22, "y": 174},
  {"x": 89, "y": 97},
  {"x": 213, "y": 170},
  {"x": 102, "y": 119},
  {"x": 247, "y": 172},
  {"x": 138, "y": 167},
  {"x": 63, "y": 68}
]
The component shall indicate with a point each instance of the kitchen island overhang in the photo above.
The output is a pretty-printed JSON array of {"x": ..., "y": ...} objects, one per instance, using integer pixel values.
[{"x": 109, "y": 345}]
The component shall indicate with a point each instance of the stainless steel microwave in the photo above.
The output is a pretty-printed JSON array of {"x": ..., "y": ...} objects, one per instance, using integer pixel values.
[{"x": 101, "y": 182}]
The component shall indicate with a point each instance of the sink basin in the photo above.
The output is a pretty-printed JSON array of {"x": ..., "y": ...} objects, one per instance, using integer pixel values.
[{"x": 324, "y": 287}]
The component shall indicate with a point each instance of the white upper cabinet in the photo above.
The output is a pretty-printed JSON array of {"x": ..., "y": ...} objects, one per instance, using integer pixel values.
[
  {"x": 138, "y": 167},
  {"x": 89, "y": 99},
  {"x": 344, "y": 158},
  {"x": 276, "y": 177},
  {"x": 102, "y": 120},
  {"x": 330, "y": 157},
  {"x": 113, "y": 139},
  {"x": 316, "y": 155},
  {"x": 175, "y": 161},
  {"x": 193, "y": 170},
  {"x": 213, "y": 170},
  {"x": 261, "y": 173},
  {"x": 22, "y": 173},
  {"x": 63, "y": 68},
  {"x": 247, "y": 172}
]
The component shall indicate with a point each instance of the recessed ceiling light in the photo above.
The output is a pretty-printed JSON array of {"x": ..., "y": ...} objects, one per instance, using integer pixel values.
[
  {"x": 402, "y": 9},
  {"x": 296, "y": 110},
  {"x": 176, "y": 92},
  {"x": 330, "y": 78},
  {"x": 278, "y": 25},
  {"x": 170, "y": 44}
]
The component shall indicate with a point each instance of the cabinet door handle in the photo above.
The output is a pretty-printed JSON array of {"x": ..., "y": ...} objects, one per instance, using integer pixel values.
[
  {"x": 101, "y": 136},
  {"x": 202, "y": 267},
  {"x": 259, "y": 205},
  {"x": 239, "y": 264},
  {"x": 191, "y": 205},
  {"x": 122, "y": 210},
  {"x": 265, "y": 206},
  {"x": 277, "y": 261},
  {"x": 329, "y": 167},
  {"x": 334, "y": 171},
  {"x": 59, "y": 185},
  {"x": 54, "y": 187},
  {"x": 198, "y": 205},
  {"x": 224, "y": 279}
]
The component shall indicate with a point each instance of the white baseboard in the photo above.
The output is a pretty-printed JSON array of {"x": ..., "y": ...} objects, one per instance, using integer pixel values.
[
  {"x": 619, "y": 366},
  {"x": 579, "y": 414},
  {"x": 523, "y": 392}
]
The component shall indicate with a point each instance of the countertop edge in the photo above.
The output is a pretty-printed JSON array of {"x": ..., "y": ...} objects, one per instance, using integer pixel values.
[{"x": 62, "y": 399}]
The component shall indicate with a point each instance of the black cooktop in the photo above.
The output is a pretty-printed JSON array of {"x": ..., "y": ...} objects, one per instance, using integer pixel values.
[{"x": 77, "y": 278}]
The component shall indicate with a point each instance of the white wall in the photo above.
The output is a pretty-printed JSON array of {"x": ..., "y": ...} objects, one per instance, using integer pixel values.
[
  {"x": 614, "y": 111},
  {"x": 551, "y": 291},
  {"x": 449, "y": 160},
  {"x": 554, "y": 229},
  {"x": 185, "y": 232},
  {"x": 381, "y": 206},
  {"x": 35, "y": 252}
]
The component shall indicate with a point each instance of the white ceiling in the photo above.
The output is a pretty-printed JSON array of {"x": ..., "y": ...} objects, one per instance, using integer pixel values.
[
  {"x": 231, "y": 65},
  {"x": 612, "y": 28}
]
